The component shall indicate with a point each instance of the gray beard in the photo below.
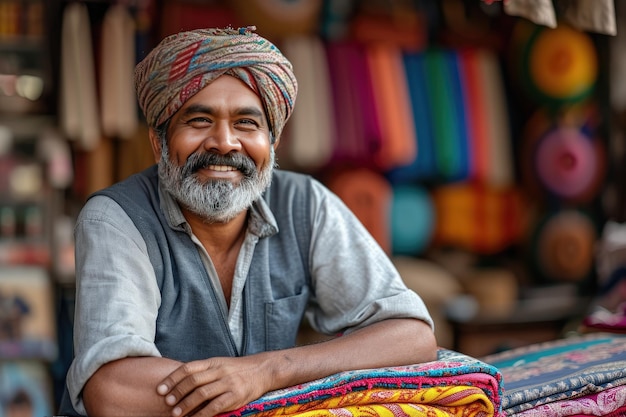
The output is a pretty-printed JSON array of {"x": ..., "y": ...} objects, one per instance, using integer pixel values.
[{"x": 215, "y": 201}]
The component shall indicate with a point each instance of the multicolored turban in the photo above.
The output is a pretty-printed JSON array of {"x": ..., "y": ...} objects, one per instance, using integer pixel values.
[{"x": 184, "y": 63}]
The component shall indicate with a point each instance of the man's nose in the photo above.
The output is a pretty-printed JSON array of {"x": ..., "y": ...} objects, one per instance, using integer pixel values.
[{"x": 222, "y": 139}]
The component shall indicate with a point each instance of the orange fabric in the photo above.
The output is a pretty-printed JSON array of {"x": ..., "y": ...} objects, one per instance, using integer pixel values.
[
  {"x": 368, "y": 195},
  {"x": 477, "y": 217},
  {"x": 453, "y": 401},
  {"x": 476, "y": 115},
  {"x": 393, "y": 104}
]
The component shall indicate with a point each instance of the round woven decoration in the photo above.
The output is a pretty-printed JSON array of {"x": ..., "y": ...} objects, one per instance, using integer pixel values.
[
  {"x": 566, "y": 162},
  {"x": 561, "y": 157},
  {"x": 560, "y": 65},
  {"x": 564, "y": 246}
]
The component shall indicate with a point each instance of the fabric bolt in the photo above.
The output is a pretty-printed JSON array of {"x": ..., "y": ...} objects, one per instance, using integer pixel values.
[
  {"x": 367, "y": 116},
  {"x": 459, "y": 109},
  {"x": 423, "y": 166},
  {"x": 445, "y": 128},
  {"x": 346, "y": 120},
  {"x": 78, "y": 109},
  {"x": 118, "y": 111},
  {"x": 453, "y": 385},
  {"x": 499, "y": 140},
  {"x": 561, "y": 370},
  {"x": 475, "y": 115},
  {"x": 398, "y": 137},
  {"x": 184, "y": 63},
  {"x": 311, "y": 126},
  {"x": 357, "y": 128}
]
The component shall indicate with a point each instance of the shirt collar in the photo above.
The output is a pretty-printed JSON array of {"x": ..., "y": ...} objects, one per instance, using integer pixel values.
[{"x": 262, "y": 222}]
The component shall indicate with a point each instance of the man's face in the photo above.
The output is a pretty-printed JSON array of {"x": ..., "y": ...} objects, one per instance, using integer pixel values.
[{"x": 217, "y": 158}]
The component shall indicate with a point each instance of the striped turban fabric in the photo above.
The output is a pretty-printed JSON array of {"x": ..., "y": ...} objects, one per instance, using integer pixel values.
[{"x": 184, "y": 63}]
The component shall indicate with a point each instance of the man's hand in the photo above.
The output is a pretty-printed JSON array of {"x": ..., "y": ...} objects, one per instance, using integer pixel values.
[{"x": 212, "y": 386}]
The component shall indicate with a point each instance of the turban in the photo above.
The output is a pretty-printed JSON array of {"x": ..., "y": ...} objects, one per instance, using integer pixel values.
[{"x": 184, "y": 63}]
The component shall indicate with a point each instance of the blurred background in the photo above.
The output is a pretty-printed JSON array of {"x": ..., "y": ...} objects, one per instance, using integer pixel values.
[{"x": 481, "y": 142}]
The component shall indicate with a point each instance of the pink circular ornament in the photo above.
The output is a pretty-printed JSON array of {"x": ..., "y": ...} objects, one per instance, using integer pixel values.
[{"x": 566, "y": 162}]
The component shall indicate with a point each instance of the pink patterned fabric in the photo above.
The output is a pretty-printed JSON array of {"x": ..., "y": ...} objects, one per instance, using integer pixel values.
[{"x": 606, "y": 403}]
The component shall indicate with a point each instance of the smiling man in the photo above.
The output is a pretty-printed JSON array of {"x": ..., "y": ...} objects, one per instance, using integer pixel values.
[{"x": 193, "y": 276}]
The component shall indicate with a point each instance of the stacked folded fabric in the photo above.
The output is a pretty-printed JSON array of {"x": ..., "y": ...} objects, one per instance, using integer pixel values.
[
  {"x": 577, "y": 376},
  {"x": 454, "y": 385}
]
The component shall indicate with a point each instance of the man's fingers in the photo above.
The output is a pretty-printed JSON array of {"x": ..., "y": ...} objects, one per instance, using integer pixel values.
[
  {"x": 182, "y": 373},
  {"x": 206, "y": 400}
]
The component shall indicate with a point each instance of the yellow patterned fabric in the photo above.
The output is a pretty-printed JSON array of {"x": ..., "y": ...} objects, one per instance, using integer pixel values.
[{"x": 452, "y": 401}]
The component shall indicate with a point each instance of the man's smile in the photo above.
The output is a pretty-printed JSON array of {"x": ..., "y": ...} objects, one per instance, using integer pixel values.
[{"x": 222, "y": 168}]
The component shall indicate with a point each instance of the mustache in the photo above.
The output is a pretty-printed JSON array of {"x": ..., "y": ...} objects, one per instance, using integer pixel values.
[{"x": 198, "y": 161}]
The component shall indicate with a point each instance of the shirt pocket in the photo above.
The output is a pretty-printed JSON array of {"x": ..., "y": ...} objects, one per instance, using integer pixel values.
[{"x": 283, "y": 319}]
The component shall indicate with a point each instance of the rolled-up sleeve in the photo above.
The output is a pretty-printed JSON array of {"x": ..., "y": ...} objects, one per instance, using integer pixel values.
[
  {"x": 117, "y": 297},
  {"x": 355, "y": 282}
]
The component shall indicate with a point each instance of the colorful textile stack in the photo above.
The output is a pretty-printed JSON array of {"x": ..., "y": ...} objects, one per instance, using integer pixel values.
[
  {"x": 454, "y": 385},
  {"x": 577, "y": 376}
]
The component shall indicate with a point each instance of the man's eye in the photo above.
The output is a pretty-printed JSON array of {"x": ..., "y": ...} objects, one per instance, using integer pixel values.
[
  {"x": 249, "y": 122},
  {"x": 198, "y": 120}
]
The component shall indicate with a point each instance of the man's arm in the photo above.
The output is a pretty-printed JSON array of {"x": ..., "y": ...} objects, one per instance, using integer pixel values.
[
  {"x": 209, "y": 387},
  {"x": 131, "y": 386},
  {"x": 127, "y": 387}
]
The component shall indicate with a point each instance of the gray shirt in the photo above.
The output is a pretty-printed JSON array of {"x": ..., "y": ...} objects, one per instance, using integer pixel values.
[{"x": 355, "y": 282}]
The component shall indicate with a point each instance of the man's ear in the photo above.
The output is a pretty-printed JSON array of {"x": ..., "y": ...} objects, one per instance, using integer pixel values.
[
  {"x": 276, "y": 141},
  {"x": 155, "y": 143}
]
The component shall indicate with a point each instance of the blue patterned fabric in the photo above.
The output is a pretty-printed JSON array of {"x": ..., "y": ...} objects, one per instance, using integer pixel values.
[{"x": 562, "y": 369}]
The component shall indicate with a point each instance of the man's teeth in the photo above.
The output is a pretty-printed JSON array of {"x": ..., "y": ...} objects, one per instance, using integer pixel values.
[{"x": 223, "y": 168}]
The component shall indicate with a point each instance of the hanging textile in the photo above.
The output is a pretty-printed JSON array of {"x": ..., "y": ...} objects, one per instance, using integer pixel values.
[
  {"x": 423, "y": 167},
  {"x": 311, "y": 126},
  {"x": 357, "y": 128},
  {"x": 79, "y": 114},
  {"x": 588, "y": 15},
  {"x": 392, "y": 101},
  {"x": 117, "y": 91},
  {"x": 476, "y": 117},
  {"x": 499, "y": 140}
]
